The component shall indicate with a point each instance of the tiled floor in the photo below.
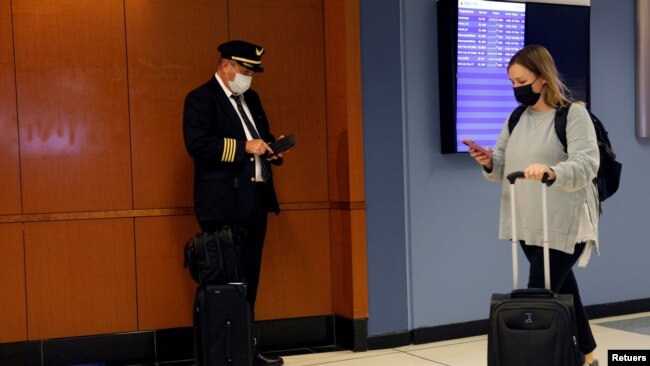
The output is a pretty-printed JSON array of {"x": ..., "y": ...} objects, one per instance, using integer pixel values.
[{"x": 625, "y": 332}]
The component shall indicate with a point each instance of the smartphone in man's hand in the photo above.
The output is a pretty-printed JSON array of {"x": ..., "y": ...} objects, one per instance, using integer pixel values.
[{"x": 283, "y": 144}]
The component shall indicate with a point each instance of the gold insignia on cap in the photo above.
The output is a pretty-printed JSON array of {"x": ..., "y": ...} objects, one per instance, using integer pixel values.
[
  {"x": 259, "y": 52},
  {"x": 246, "y": 60}
]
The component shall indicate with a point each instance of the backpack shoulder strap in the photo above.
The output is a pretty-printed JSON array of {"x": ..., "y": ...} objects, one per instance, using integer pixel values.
[
  {"x": 560, "y": 124},
  {"x": 514, "y": 117}
]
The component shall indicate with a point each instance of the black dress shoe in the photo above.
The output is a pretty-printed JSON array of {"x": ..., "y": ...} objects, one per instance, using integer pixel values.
[{"x": 267, "y": 360}]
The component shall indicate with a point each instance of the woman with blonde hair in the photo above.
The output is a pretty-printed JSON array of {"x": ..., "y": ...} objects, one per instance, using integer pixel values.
[{"x": 534, "y": 148}]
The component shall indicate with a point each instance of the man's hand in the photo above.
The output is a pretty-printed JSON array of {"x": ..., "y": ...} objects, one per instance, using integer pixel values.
[
  {"x": 257, "y": 147},
  {"x": 278, "y": 155}
]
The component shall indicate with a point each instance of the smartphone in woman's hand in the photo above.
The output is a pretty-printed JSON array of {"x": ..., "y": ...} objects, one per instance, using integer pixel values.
[{"x": 478, "y": 147}]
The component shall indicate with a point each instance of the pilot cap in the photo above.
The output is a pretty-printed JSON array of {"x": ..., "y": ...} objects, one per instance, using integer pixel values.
[{"x": 246, "y": 54}]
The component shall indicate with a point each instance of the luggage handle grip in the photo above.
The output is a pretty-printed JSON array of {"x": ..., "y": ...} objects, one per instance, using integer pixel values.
[
  {"x": 532, "y": 292},
  {"x": 512, "y": 177}
]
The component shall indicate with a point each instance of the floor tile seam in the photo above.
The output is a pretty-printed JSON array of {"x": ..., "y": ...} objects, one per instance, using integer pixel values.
[
  {"x": 433, "y": 345},
  {"x": 624, "y": 331},
  {"x": 349, "y": 359},
  {"x": 640, "y": 320},
  {"x": 614, "y": 325},
  {"x": 428, "y": 360},
  {"x": 424, "y": 358},
  {"x": 620, "y": 317}
]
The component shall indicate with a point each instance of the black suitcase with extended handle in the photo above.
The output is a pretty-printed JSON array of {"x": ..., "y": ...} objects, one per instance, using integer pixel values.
[{"x": 532, "y": 327}]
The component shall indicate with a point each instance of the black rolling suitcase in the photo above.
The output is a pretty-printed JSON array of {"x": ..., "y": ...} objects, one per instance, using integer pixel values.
[
  {"x": 223, "y": 326},
  {"x": 532, "y": 327}
]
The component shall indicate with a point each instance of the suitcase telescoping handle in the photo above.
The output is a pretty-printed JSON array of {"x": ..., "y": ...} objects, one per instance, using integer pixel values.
[{"x": 512, "y": 178}]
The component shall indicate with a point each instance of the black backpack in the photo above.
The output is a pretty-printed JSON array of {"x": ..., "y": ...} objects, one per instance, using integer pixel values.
[
  {"x": 609, "y": 173},
  {"x": 214, "y": 258}
]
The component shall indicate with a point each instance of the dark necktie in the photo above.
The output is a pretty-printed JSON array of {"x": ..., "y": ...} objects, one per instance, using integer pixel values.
[{"x": 252, "y": 131}]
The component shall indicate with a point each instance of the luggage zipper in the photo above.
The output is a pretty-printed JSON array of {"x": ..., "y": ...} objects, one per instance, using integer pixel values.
[
  {"x": 228, "y": 341},
  {"x": 231, "y": 239},
  {"x": 220, "y": 253},
  {"x": 205, "y": 249}
]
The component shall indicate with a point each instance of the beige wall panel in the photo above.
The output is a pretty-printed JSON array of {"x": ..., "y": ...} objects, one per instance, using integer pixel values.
[
  {"x": 9, "y": 161},
  {"x": 73, "y": 105},
  {"x": 12, "y": 284},
  {"x": 296, "y": 273},
  {"x": 172, "y": 49},
  {"x": 80, "y": 278},
  {"x": 165, "y": 288},
  {"x": 292, "y": 86}
]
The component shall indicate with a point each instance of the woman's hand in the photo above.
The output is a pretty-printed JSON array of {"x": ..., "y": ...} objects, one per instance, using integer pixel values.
[
  {"x": 481, "y": 158},
  {"x": 536, "y": 172}
]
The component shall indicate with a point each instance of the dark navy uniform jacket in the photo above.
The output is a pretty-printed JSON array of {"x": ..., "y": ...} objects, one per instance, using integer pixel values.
[{"x": 224, "y": 174}]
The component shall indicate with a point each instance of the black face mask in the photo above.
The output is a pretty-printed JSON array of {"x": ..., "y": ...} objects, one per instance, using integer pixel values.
[{"x": 525, "y": 94}]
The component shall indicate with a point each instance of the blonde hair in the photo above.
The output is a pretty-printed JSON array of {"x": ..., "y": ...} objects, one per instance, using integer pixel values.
[{"x": 539, "y": 61}]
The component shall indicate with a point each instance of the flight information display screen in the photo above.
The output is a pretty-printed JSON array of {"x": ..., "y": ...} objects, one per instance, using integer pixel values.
[{"x": 489, "y": 34}]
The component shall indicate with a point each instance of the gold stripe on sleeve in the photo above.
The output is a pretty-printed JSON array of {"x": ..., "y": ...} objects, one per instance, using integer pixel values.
[
  {"x": 233, "y": 148},
  {"x": 227, "y": 147}
]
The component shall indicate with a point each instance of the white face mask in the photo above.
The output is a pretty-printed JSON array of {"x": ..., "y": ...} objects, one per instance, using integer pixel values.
[{"x": 241, "y": 82}]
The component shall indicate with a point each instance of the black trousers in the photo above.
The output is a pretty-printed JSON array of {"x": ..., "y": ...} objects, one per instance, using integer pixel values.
[
  {"x": 251, "y": 255},
  {"x": 563, "y": 281}
]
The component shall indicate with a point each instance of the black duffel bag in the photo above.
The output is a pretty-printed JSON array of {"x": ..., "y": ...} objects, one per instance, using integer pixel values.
[{"x": 214, "y": 258}]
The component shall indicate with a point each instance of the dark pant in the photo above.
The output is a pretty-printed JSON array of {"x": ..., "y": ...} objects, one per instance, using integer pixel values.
[
  {"x": 251, "y": 256},
  {"x": 563, "y": 281}
]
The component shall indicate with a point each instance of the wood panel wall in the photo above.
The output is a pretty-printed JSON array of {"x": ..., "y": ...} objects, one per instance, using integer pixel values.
[
  {"x": 345, "y": 157},
  {"x": 72, "y": 94},
  {"x": 96, "y": 188},
  {"x": 13, "y": 314},
  {"x": 10, "y": 197}
]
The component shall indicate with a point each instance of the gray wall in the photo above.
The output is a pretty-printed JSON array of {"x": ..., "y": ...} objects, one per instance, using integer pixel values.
[{"x": 433, "y": 253}]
